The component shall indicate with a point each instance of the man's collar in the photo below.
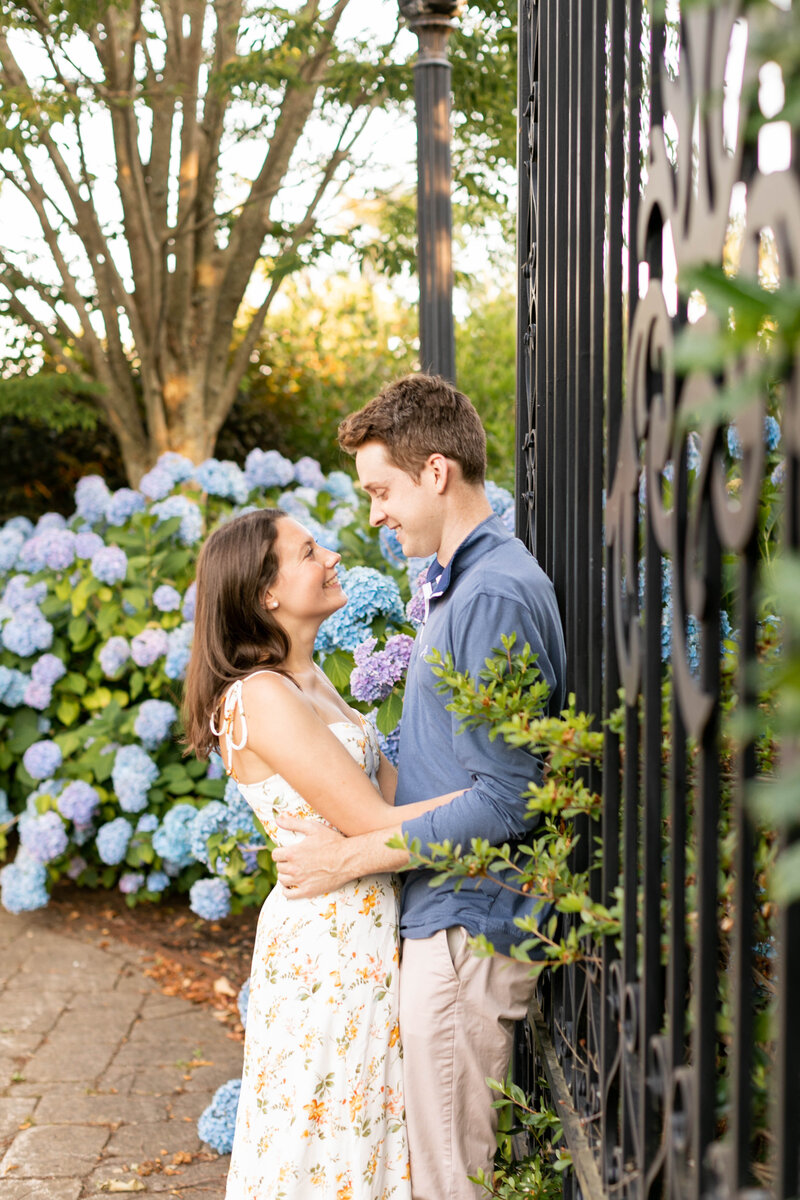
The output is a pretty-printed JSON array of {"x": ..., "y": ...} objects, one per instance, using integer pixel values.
[{"x": 438, "y": 578}]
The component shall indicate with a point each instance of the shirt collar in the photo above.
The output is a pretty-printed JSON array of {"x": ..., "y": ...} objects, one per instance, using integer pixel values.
[{"x": 438, "y": 578}]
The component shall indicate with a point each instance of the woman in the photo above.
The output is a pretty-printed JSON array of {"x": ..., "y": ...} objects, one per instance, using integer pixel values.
[{"x": 321, "y": 1108}]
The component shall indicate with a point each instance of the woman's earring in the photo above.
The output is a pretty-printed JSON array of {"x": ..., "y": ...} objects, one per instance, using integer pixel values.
[{"x": 274, "y": 604}]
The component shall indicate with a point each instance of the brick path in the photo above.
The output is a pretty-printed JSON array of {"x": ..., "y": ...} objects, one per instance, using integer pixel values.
[{"x": 100, "y": 1073}]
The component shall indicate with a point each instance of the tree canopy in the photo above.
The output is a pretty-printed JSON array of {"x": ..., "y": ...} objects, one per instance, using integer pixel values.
[{"x": 173, "y": 161}]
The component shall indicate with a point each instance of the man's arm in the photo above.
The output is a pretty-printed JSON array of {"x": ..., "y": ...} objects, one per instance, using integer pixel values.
[{"x": 323, "y": 860}]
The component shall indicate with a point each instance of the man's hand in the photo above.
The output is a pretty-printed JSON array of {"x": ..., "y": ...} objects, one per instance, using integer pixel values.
[{"x": 313, "y": 864}]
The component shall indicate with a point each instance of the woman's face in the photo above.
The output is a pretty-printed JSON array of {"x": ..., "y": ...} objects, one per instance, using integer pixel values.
[{"x": 306, "y": 585}]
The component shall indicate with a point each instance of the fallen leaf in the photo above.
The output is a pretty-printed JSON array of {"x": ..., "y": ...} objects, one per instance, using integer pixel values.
[
  {"x": 119, "y": 1185},
  {"x": 224, "y": 987}
]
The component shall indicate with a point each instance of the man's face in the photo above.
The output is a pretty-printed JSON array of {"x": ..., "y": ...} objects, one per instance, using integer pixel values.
[{"x": 414, "y": 510}]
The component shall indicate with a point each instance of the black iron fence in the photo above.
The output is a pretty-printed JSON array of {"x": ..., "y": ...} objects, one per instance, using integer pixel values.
[{"x": 675, "y": 1058}]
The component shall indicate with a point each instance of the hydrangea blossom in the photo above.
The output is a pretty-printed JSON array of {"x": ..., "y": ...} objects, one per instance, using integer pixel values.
[
  {"x": 91, "y": 498},
  {"x": 11, "y": 541},
  {"x": 369, "y": 594},
  {"x": 27, "y": 632},
  {"x": 390, "y": 547},
  {"x": 157, "y": 881},
  {"x": 109, "y": 564},
  {"x": 177, "y": 466},
  {"x": 376, "y": 672},
  {"x": 48, "y": 669},
  {"x": 50, "y": 520},
  {"x": 38, "y": 695},
  {"x": 153, "y": 722},
  {"x": 13, "y": 685},
  {"x": 132, "y": 775},
  {"x": 218, "y": 1122},
  {"x": 23, "y": 525},
  {"x": 53, "y": 548},
  {"x": 112, "y": 841},
  {"x": 87, "y": 543},
  {"x": 388, "y": 742},
  {"x": 267, "y": 468},
  {"x": 210, "y": 899},
  {"x": 42, "y": 759},
  {"x": 5, "y": 811},
  {"x": 167, "y": 598},
  {"x": 191, "y": 518},
  {"x": 509, "y": 518},
  {"x": 308, "y": 473},
  {"x": 339, "y": 485},
  {"x": 123, "y": 504},
  {"x": 172, "y": 838},
  {"x": 147, "y": 823},
  {"x": 113, "y": 656},
  {"x": 19, "y": 592},
  {"x": 189, "y": 602},
  {"x": 209, "y": 820},
  {"x": 156, "y": 483},
  {"x": 223, "y": 478},
  {"x": 242, "y": 1002},
  {"x": 23, "y": 884},
  {"x": 148, "y": 646},
  {"x": 499, "y": 497},
  {"x": 44, "y": 837},
  {"x": 79, "y": 802},
  {"x": 179, "y": 649},
  {"x": 415, "y": 609},
  {"x": 76, "y": 866},
  {"x": 131, "y": 882}
]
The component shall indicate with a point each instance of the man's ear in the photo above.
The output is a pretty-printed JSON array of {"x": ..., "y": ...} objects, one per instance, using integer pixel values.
[{"x": 440, "y": 468}]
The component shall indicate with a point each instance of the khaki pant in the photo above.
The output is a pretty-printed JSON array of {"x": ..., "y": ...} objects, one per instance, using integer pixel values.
[{"x": 457, "y": 1015}]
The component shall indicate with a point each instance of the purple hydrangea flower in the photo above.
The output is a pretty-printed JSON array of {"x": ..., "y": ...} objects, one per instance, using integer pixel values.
[
  {"x": 53, "y": 548},
  {"x": 267, "y": 468},
  {"x": 210, "y": 899},
  {"x": 166, "y": 598},
  {"x": 148, "y": 646},
  {"x": 38, "y": 695},
  {"x": 76, "y": 867},
  {"x": 48, "y": 669},
  {"x": 87, "y": 543},
  {"x": 78, "y": 802},
  {"x": 376, "y": 673},
  {"x": 133, "y": 774},
  {"x": 190, "y": 530},
  {"x": 49, "y": 521},
  {"x": 91, "y": 498},
  {"x": 109, "y": 564},
  {"x": 154, "y": 722},
  {"x": 216, "y": 767},
  {"x": 112, "y": 841},
  {"x": 308, "y": 473},
  {"x": 123, "y": 504},
  {"x": 44, "y": 837},
  {"x": 19, "y": 592},
  {"x": 42, "y": 759},
  {"x": 113, "y": 656},
  {"x": 23, "y": 884},
  {"x": 415, "y": 609},
  {"x": 189, "y": 602},
  {"x": 131, "y": 882}
]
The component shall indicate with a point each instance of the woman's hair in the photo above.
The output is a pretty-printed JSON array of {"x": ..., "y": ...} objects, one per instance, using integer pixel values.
[{"x": 234, "y": 633}]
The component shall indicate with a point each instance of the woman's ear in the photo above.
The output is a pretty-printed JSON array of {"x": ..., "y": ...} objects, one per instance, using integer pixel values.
[{"x": 269, "y": 601}]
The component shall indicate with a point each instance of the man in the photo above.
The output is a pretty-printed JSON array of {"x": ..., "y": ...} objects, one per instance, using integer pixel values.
[{"x": 420, "y": 453}]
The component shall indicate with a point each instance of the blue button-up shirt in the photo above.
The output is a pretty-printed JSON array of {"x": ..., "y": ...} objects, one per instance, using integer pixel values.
[{"x": 491, "y": 586}]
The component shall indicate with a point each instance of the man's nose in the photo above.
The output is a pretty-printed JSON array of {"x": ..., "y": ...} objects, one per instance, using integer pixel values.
[{"x": 376, "y": 514}]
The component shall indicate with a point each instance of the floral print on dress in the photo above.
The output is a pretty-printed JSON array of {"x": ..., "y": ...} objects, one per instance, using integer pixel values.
[{"x": 321, "y": 1109}]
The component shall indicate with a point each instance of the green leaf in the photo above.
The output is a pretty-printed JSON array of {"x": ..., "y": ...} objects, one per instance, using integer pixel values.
[
  {"x": 389, "y": 713},
  {"x": 68, "y": 710},
  {"x": 77, "y": 630},
  {"x": 80, "y": 596},
  {"x": 338, "y": 666},
  {"x": 73, "y": 682},
  {"x": 23, "y": 731}
]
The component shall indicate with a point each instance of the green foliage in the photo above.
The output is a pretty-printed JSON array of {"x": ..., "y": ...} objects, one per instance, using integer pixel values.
[
  {"x": 486, "y": 370},
  {"x": 538, "y": 1174}
]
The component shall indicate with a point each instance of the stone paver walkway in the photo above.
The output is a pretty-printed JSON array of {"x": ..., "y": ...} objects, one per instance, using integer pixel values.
[{"x": 101, "y": 1074}]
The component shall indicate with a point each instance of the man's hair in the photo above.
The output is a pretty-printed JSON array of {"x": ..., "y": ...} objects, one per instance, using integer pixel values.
[{"x": 415, "y": 417}]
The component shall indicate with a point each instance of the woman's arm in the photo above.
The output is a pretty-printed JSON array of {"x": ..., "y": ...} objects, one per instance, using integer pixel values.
[{"x": 287, "y": 737}]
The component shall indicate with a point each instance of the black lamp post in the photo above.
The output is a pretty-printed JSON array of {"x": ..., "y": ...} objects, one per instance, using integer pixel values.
[{"x": 431, "y": 20}]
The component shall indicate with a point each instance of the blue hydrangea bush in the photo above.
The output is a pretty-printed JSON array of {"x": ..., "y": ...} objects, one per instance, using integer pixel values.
[{"x": 95, "y": 634}]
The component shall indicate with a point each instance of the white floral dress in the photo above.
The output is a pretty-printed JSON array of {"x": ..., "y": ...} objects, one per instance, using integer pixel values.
[{"x": 321, "y": 1108}]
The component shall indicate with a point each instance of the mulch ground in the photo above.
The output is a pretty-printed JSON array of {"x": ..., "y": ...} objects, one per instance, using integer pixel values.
[{"x": 201, "y": 961}]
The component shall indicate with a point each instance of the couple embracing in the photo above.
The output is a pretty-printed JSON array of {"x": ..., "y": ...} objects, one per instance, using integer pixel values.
[{"x": 366, "y": 1058}]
